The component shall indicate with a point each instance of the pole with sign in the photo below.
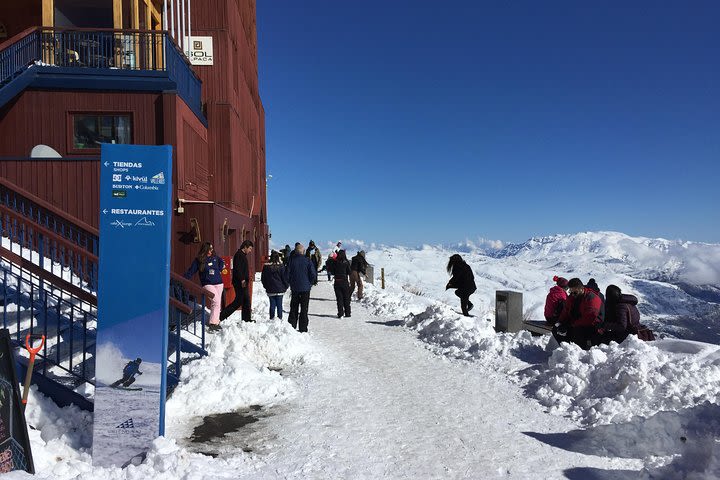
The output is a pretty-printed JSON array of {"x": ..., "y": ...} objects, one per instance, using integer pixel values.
[{"x": 134, "y": 279}]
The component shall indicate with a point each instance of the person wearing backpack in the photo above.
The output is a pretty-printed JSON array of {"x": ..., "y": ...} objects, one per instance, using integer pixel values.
[{"x": 555, "y": 300}]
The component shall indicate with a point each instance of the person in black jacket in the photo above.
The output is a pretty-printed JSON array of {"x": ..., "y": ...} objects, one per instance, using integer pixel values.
[
  {"x": 275, "y": 283},
  {"x": 341, "y": 270},
  {"x": 621, "y": 315},
  {"x": 241, "y": 283},
  {"x": 358, "y": 267},
  {"x": 463, "y": 280}
]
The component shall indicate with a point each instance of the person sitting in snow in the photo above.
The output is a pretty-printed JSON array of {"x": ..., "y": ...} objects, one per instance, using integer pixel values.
[
  {"x": 463, "y": 280},
  {"x": 131, "y": 369},
  {"x": 622, "y": 316},
  {"x": 555, "y": 300},
  {"x": 578, "y": 322},
  {"x": 592, "y": 285}
]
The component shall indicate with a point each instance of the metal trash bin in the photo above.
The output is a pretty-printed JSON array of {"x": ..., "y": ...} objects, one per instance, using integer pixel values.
[
  {"x": 508, "y": 311},
  {"x": 370, "y": 274}
]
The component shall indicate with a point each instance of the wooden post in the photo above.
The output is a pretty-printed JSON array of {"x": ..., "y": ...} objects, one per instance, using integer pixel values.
[
  {"x": 48, "y": 13},
  {"x": 117, "y": 38},
  {"x": 382, "y": 278}
]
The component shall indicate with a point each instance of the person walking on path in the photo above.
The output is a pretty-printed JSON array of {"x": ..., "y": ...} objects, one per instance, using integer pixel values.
[
  {"x": 555, "y": 300},
  {"x": 463, "y": 280},
  {"x": 358, "y": 267},
  {"x": 329, "y": 264},
  {"x": 275, "y": 284},
  {"x": 208, "y": 266},
  {"x": 341, "y": 270},
  {"x": 313, "y": 253},
  {"x": 285, "y": 252},
  {"x": 300, "y": 275},
  {"x": 241, "y": 283}
]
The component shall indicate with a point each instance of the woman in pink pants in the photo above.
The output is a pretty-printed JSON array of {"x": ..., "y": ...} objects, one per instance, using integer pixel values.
[{"x": 208, "y": 265}]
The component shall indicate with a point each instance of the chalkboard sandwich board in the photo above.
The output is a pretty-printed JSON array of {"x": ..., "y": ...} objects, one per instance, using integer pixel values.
[{"x": 15, "y": 451}]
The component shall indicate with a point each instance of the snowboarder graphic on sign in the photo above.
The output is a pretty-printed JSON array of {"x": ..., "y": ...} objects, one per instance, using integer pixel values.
[{"x": 131, "y": 369}]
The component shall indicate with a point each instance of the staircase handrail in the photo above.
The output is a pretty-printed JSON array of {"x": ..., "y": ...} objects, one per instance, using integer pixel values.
[
  {"x": 82, "y": 262},
  {"x": 16, "y": 38},
  {"x": 190, "y": 286},
  {"x": 50, "y": 207},
  {"x": 41, "y": 273}
]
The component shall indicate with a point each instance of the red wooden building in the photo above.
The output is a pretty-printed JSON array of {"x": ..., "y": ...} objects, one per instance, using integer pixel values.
[{"x": 77, "y": 73}]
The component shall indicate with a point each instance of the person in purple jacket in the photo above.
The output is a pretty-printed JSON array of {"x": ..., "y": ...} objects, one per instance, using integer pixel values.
[{"x": 208, "y": 266}]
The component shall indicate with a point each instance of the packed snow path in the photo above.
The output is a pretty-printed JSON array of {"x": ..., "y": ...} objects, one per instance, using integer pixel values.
[{"x": 382, "y": 406}]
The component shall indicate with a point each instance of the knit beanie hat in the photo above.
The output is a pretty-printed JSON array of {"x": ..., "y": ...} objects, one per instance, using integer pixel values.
[{"x": 561, "y": 282}]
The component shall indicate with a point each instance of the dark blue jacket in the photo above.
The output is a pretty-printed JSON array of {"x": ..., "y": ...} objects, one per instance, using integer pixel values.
[
  {"x": 211, "y": 274},
  {"x": 273, "y": 278},
  {"x": 300, "y": 273}
]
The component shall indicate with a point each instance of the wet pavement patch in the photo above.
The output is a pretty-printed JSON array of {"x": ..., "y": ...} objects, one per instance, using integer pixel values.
[{"x": 217, "y": 426}]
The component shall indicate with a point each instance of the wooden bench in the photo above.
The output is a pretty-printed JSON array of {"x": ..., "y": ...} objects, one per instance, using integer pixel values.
[{"x": 537, "y": 327}]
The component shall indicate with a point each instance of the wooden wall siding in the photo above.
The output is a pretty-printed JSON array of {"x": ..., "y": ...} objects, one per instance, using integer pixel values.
[
  {"x": 42, "y": 117},
  {"x": 20, "y": 15},
  {"x": 72, "y": 185},
  {"x": 211, "y": 218},
  {"x": 192, "y": 153},
  {"x": 230, "y": 90}
]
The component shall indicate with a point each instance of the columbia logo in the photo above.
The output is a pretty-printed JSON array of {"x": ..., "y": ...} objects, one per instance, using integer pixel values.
[
  {"x": 158, "y": 179},
  {"x": 127, "y": 424}
]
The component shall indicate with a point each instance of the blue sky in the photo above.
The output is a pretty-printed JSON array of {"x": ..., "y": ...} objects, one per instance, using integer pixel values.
[{"x": 410, "y": 122}]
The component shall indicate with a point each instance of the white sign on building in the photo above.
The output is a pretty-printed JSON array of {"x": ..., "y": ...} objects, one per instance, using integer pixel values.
[{"x": 200, "y": 50}]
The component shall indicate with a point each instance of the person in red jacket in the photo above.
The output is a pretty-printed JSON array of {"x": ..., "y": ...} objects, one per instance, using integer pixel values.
[
  {"x": 580, "y": 316},
  {"x": 555, "y": 300}
]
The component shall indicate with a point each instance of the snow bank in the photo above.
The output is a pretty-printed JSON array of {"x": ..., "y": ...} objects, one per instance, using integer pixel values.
[
  {"x": 240, "y": 370},
  {"x": 616, "y": 382}
]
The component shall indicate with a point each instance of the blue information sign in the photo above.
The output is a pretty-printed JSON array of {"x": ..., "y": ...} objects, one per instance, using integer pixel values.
[{"x": 134, "y": 278}]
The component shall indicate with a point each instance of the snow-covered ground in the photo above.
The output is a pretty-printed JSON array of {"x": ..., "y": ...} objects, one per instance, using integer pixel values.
[{"x": 408, "y": 388}]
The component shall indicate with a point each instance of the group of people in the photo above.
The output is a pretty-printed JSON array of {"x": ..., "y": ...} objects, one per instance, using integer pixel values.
[
  {"x": 577, "y": 312},
  {"x": 296, "y": 269},
  {"x": 209, "y": 268},
  {"x": 581, "y": 314}
]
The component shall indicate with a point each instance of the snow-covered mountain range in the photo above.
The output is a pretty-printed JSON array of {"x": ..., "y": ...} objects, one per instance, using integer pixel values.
[{"x": 677, "y": 282}]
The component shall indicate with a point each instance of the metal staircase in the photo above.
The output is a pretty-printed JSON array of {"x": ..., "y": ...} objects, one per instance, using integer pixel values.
[{"x": 48, "y": 285}]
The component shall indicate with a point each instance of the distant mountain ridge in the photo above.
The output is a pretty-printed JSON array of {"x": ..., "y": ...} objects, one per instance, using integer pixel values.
[{"x": 673, "y": 261}]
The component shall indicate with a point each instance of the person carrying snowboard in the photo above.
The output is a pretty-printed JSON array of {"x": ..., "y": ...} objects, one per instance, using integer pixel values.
[{"x": 131, "y": 369}]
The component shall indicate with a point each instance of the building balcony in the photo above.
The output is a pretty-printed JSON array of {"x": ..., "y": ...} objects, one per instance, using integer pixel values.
[{"x": 97, "y": 59}]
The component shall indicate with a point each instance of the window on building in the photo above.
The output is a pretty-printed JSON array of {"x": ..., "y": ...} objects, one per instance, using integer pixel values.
[{"x": 89, "y": 131}]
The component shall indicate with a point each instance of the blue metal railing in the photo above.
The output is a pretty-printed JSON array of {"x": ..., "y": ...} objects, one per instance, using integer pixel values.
[
  {"x": 68, "y": 323},
  {"x": 16, "y": 57},
  {"x": 136, "y": 50},
  {"x": 40, "y": 212},
  {"x": 48, "y": 250}
]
